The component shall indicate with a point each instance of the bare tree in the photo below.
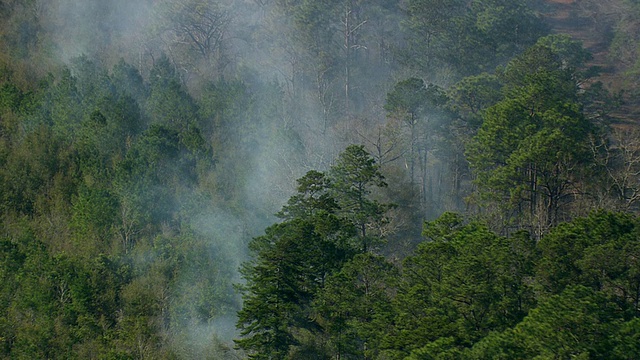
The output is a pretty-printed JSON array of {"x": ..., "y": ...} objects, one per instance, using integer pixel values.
[
  {"x": 200, "y": 26},
  {"x": 620, "y": 160},
  {"x": 351, "y": 24},
  {"x": 385, "y": 142}
]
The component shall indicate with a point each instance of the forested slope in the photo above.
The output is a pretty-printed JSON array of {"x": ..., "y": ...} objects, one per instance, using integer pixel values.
[{"x": 461, "y": 180}]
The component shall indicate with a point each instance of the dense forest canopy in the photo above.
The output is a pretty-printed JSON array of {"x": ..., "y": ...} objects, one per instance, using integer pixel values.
[{"x": 328, "y": 179}]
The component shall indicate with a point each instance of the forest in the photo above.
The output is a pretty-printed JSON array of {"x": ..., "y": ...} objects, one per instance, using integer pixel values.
[{"x": 319, "y": 179}]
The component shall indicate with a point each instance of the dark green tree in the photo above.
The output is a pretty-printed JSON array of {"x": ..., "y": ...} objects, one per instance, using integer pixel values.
[
  {"x": 627, "y": 340},
  {"x": 324, "y": 225},
  {"x": 353, "y": 177},
  {"x": 461, "y": 284},
  {"x": 355, "y": 306},
  {"x": 469, "y": 97},
  {"x": 574, "y": 324},
  {"x": 599, "y": 252},
  {"x": 428, "y": 25},
  {"x": 467, "y": 36},
  {"x": 291, "y": 262},
  {"x": 169, "y": 103},
  {"x": 530, "y": 149}
]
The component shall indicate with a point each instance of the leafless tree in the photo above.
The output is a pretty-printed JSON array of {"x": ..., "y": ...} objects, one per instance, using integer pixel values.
[
  {"x": 619, "y": 158},
  {"x": 198, "y": 26}
]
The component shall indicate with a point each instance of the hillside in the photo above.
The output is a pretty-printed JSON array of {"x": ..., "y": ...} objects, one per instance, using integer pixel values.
[
  {"x": 594, "y": 27},
  {"x": 292, "y": 179}
]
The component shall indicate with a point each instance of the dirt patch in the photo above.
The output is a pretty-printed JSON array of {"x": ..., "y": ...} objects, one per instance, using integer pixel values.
[{"x": 569, "y": 17}]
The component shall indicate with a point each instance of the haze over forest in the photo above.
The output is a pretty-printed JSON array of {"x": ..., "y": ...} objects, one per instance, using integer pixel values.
[{"x": 319, "y": 179}]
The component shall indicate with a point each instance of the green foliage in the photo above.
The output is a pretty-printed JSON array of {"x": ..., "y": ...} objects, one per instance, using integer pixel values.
[
  {"x": 467, "y": 282},
  {"x": 127, "y": 78},
  {"x": 587, "y": 309},
  {"x": 626, "y": 340},
  {"x": 295, "y": 259},
  {"x": 59, "y": 306},
  {"x": 352, "y": 178},
  {"x": 94, "y": 212},
  {"x": 472, "y": 95},
  {"x": 427, "y": 27},
  {"x": 169, "y": 104},
  {"x": 531, "y": 144},
  {"x": 35, "y": 165},
  {"x": 407, "y": 96},
  {"x": 86, "y": 188},
  {"x": 599, "y": 252},
  {"x": 11, "y": 98},
  {"x": 313, "y": 198},
  {"x": 574, "y": 324},
  {"x": 466, "y": 35},
  {"x": 292, "y": 262},
  {"x": 354, "y": 306},
  {"x": 108, "y": 179},
  {"x": 278, "y": 288}
]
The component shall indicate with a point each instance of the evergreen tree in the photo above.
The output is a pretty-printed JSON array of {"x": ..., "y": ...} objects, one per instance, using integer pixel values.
[
  {"x": 531, "y": 146},
  {"x": 352, "y": 177},
  {"x": 324, "y": 225}
]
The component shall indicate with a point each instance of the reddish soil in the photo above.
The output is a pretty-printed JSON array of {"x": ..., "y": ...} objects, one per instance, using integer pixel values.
[
  {"x": 566, "y": 17},
  {"x": 569, "y": 17}
]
